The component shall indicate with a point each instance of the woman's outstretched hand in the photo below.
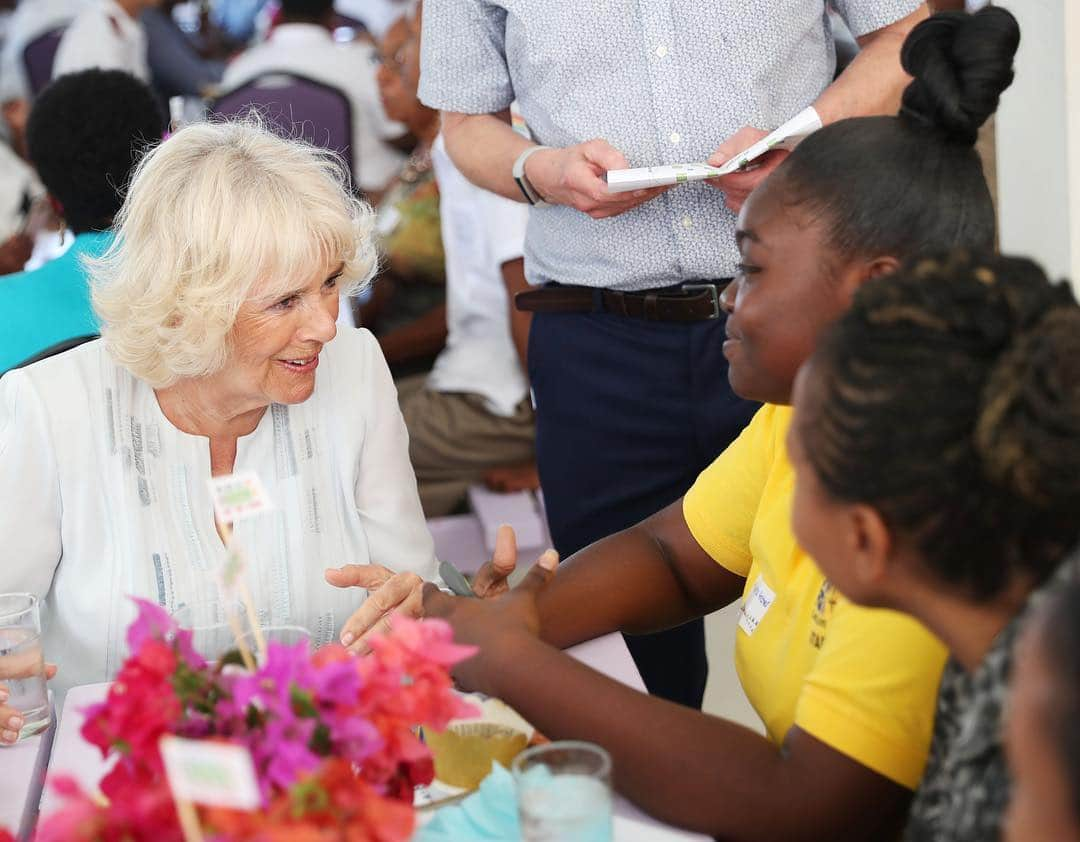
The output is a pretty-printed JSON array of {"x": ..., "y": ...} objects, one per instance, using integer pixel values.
[{"x": 390, "y": 593}]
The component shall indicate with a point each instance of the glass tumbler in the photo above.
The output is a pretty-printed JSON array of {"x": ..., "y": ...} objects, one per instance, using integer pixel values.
[
  {"x": 564, "y": 792},
  {"x": 22, "y": 661}
]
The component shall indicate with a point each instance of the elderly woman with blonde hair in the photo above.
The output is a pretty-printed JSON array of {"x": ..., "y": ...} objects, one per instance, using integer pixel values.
[{"x": 219, "y": 353}]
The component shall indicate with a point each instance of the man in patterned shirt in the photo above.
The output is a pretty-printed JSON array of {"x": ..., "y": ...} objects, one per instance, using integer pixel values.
[{"x": 625, "y": 358}]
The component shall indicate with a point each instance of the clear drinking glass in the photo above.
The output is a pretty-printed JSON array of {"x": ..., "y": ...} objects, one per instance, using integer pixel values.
[
  {"x": 208, "y": 620},
  {"x": 564, "y": 793},
  {"x": 22, "y": 661}
]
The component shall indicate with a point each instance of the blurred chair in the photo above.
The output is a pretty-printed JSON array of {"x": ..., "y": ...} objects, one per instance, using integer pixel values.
[
  {"x": 38, "y": 58},
  {"x": 295, "y": 107}
]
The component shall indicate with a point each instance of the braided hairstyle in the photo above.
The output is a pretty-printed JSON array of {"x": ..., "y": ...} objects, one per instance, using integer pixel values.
[
  {"x": 949, "y": 399},
  {"x": 913, "y": 183}
]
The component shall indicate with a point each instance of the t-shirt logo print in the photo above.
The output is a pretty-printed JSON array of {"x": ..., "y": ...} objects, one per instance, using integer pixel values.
[{"x": 823, "y": 609}]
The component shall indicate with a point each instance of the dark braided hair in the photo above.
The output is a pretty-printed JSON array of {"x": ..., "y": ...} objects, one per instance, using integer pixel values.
[
  {"x": 1059, "y": 642},
  {"x": 948, "y": 398},
  {"x": 913, "y": 184}
]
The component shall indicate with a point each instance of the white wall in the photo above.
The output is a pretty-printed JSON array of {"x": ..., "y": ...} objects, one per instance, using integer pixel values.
[{"x": 1038, "y": 139}]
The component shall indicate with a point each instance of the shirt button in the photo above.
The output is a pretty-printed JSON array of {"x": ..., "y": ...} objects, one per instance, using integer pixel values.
[
  {"x": 674, "y": 137},
  {"x": 687, "y": 222},
  {"x": 661, "y": 51}
]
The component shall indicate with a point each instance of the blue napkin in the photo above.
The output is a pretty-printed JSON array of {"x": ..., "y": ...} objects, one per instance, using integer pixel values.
[{"x": 488, "y": 815}]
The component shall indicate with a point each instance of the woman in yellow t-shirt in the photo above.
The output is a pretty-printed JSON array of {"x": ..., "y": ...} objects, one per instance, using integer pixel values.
[
  {"x": 960, "y": 519},
  {"x": 846, "y": 693}
]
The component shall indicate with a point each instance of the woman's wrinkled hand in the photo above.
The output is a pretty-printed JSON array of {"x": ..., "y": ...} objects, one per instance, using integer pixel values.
[
  {"x": 11, "y": 720},
  {"x": 390, "y": 592}
]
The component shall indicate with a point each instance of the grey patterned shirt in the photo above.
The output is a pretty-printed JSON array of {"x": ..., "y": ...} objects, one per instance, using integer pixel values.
[
  {"x": 664, "y": 81},
  {"x": 965, "y": 789}
]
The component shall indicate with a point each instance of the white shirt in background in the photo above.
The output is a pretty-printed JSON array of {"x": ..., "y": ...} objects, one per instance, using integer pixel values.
[
  {"x": 102, "y": 497},
  {"x": 19, "y": 187},
  {"x": 376, "y": 15},
  {"x": 105, "y": 36},
  {"x": 310, "y": 50},
  {"x": 31, "y": 19},
  {"x": 480, "y": 232}
]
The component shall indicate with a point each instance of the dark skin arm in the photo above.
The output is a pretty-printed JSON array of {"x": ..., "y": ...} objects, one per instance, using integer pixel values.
[
  {"x": 680, "y": 765},
  {"x": 513, "y": 272},
  {"x": 649, "y": 577},
  {"x": 422, "y": 337}
]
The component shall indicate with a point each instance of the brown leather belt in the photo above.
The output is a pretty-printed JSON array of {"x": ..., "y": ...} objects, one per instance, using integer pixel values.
[{"x": 692, "y": 302}]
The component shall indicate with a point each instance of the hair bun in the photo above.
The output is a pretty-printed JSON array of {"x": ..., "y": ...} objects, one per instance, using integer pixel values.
[
  {"x": 961, "y": 64},
  {"x": 1029, "y": 420}
]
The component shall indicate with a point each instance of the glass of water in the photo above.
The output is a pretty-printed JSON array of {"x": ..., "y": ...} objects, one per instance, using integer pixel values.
[
  {"x": 22, "y": 661},
  {"x": 211, "y": 634},
  {"x": 564, "y": 793}
]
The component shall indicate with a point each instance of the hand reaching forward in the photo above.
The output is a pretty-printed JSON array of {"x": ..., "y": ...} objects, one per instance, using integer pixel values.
[
  {"x": 486, "y": 623},
  {"x": 390, "y": 592}
]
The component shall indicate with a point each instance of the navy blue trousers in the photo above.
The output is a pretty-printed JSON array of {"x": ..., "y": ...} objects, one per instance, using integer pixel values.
[{"x": 628, "y": 413}]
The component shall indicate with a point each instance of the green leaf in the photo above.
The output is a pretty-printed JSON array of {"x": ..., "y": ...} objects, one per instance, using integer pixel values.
[{"x": 303, "y": 703}]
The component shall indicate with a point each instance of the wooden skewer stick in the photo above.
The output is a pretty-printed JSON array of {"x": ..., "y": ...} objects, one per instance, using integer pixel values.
[
  {"x": 189, "y": 820},
  {"x": 225, "y": 529}
]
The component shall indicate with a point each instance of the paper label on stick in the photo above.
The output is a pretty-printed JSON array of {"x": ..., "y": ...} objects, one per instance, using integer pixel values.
[
  {"x": 211, "y": 773},
  {"x": 238, "y": 496}
]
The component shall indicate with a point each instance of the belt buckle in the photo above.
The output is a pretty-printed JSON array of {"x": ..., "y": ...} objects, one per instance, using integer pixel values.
[{"x": 714, "y": 296}]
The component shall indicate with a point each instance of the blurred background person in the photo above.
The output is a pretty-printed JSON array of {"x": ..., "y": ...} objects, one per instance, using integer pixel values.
[
  {"x": 106, "y": 34},
  {"x": 303, "y": 43},
  {"x": 31, "y": 19},
  {"x": 176, "y": 67},
  {"x": 20, "y": 190},
  {"x": 377, "y": 16},
  {"x": 86, "y": 132},
  {"x": 407, "y": 308}
]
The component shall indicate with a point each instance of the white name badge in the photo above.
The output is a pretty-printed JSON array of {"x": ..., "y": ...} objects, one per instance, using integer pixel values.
[
  {"x": 755, "y": 606},
  {"x": 211, "y": 773}
]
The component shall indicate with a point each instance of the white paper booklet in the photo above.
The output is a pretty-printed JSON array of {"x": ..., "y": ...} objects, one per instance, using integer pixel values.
[{"x": 623, "y": 181}]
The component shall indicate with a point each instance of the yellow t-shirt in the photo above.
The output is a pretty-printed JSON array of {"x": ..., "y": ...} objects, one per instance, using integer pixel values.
[{"x": 863, "y": 681}]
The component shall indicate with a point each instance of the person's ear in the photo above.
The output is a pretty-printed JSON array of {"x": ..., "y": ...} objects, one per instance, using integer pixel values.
[
  {"x": 872, "y": 550},
  {"x": 880, "y": 266},
  {"x": 858, "y": 272}
]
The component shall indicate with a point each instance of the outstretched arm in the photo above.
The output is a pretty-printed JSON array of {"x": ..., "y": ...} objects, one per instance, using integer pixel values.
[{"x": 682, "y": 766}]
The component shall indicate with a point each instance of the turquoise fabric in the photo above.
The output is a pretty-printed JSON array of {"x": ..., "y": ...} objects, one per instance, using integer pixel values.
[
  {"x": 488, "y": 815},
  {"x": 50, "y": 304}
]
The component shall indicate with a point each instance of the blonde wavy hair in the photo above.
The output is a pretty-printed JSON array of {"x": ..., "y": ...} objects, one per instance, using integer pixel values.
[{"x": 214, "y": 211}]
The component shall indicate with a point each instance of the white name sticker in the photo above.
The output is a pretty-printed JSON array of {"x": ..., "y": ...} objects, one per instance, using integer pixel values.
[
  {"x": 238, "y": 496},
  {"x": 215, "y": 774},
  {"x": 755, "y": 606}
]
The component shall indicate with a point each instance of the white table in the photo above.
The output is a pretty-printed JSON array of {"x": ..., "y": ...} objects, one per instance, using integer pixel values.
[
  {"x": 73, "y": 756},
  {"x": 22, "y": 773}
]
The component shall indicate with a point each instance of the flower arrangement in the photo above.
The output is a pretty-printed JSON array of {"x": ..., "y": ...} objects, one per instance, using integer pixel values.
[{"x": 331, "y": 736}]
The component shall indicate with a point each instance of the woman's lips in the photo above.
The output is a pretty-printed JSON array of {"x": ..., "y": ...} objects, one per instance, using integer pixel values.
[{"x": 300, "y": 365}]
